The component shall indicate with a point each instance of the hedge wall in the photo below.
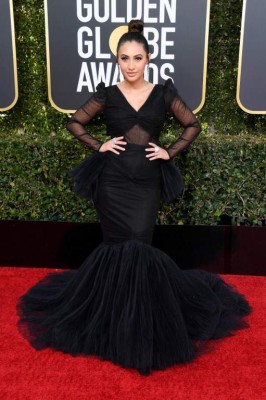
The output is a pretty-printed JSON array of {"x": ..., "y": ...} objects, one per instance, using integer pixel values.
[
  {"x": 223, "y": 182},
  {"x": 224, "y": 171}
]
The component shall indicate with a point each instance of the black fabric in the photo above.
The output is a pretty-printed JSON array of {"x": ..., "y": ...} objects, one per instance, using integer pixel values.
[
  {"x": 137, "y": 126},
  {"x": 129, "y": 302},
  {"x": 86, "y": 178},
  {"x": 129, "y": 195}
]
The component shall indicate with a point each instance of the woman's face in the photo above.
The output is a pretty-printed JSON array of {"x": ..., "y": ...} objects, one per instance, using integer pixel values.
[{"x": 132, "y": 59}]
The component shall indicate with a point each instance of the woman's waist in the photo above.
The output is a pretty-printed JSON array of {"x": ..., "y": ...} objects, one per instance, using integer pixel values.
[
  {"x": 135, "y": 153},
  {"x": 133, "y": 162},
  {"x": 136, "y": 147}
]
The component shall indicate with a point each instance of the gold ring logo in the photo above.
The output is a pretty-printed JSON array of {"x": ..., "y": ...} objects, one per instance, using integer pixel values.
[{"x": 115, "y": 36}]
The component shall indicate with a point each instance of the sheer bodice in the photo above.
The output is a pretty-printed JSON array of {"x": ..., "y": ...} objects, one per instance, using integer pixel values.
[{"x": 137, "y": 126}]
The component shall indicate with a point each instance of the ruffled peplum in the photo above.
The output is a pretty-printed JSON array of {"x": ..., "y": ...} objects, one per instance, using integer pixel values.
[
  {"x": 172, "y": 182},
  {"x": 86, "y": 177}
]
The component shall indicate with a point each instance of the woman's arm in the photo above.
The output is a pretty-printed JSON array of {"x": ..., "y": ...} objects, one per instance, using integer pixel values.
[
  {"x": 176, "y": 107},
  {"x": 77, "y": 123},
  {"x": 189, "y": 121}
]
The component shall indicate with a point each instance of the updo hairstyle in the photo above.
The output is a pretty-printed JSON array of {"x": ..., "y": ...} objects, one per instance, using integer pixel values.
[{"x": 134, "y": 34}]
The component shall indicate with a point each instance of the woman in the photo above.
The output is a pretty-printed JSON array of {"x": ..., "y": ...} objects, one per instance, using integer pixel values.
[{"x": 129, "y": 302}]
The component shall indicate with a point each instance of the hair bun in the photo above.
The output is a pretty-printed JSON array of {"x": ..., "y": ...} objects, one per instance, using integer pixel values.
[{"x": 136, "y": 25}]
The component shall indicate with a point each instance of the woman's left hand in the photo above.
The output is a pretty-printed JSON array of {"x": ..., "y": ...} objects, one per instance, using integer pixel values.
[{"x": 156, "y": 152}]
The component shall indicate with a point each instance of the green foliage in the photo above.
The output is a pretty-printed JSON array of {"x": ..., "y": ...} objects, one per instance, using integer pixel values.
[
  {"x": 224, "y": 171},
  {"x": 33, "y": 113},
  {"x": 223, "y": 178},
  {"x": 221, "y": 112},
  {"x": 225, "y": 183},
  {"x": 35, "y": 183}
]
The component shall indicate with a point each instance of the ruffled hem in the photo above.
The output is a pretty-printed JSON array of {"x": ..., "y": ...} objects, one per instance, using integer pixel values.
[
  {"x": 173, "y": 184},
  {"x": 129, "y": 303},
  {"x": 86, "y": 177}
]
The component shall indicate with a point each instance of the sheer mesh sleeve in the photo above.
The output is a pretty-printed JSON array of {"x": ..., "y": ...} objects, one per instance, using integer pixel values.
[
  {"x": 182, "y": 113},
  {"x": 77, "y": 123}
]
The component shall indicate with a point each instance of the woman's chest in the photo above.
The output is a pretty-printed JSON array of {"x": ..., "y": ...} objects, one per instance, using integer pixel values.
[{"x": 118, "y": 106}]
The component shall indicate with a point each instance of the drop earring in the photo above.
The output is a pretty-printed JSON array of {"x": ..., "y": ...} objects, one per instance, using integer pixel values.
[
  {"x": 147, "y": 71},
  {"x": 121, "y": 77}
]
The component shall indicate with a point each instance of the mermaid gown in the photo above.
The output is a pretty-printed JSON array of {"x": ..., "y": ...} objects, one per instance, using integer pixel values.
[{"x": 129, "y": 302}]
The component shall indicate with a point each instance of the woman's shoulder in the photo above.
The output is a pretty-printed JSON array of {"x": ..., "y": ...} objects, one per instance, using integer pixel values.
[
  {"x": 169, "y": 91},
  {"x": 100, "y": 93},
  {"x": 104, "y": 89},
  {"x": 169, "y": 86},
  {"x": 101, "y": 88}
]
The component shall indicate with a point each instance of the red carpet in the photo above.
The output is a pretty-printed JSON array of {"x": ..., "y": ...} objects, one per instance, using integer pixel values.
[{"x": 234, "y": 369}]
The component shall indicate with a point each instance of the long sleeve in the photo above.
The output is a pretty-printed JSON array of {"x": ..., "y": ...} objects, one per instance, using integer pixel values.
[
  {"x": 182, "y": 113},
  {"x": 77, "y": 123}
]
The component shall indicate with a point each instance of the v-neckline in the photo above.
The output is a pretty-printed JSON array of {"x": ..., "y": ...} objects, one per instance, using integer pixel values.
[{"x": 145, "y": 102}]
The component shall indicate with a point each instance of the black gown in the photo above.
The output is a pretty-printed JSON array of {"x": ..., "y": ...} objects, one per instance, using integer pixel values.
[{"x": 129, "y": 302}]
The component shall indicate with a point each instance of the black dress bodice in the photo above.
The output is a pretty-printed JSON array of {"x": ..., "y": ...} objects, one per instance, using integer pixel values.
[
  {"x": 146, "y": 123},
  {"x": 137, "y": 126}
]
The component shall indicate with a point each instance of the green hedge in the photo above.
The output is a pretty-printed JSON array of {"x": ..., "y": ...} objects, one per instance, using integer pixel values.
[{"x": 222, "y": 177}]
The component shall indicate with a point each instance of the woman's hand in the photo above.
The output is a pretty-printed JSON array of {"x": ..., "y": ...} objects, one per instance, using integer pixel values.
[
  {"x": 113, "y": 145},
  {"x": 156, "y": 152}
]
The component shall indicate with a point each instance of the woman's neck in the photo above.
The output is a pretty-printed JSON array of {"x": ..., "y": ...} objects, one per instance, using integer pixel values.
[{"x": 140, "y": 84}]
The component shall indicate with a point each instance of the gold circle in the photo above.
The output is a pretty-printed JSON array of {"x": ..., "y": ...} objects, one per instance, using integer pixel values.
[{"x": 115, "y": 36}]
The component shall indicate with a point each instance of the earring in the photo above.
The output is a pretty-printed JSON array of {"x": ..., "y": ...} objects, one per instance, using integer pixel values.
[
  {"x": 121, "y": 77},
  {"x": 147, "y": 71}
]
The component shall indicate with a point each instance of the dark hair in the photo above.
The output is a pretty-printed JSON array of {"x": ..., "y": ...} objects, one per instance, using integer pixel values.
[{"x": 134, "y": 34}]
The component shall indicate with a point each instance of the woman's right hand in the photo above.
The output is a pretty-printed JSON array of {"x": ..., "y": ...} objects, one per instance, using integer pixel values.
[{"x": 113, "y": 145}]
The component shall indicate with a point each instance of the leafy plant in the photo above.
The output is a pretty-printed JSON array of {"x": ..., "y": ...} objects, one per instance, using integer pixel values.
[{"x": 223, "y": 178}]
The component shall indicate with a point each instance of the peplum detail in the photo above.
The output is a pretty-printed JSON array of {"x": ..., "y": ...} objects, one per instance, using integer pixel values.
[{"x": 86, "y": 176}]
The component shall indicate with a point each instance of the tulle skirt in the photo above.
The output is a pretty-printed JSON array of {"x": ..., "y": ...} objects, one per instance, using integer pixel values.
[{"x": 129, "y": 302}]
